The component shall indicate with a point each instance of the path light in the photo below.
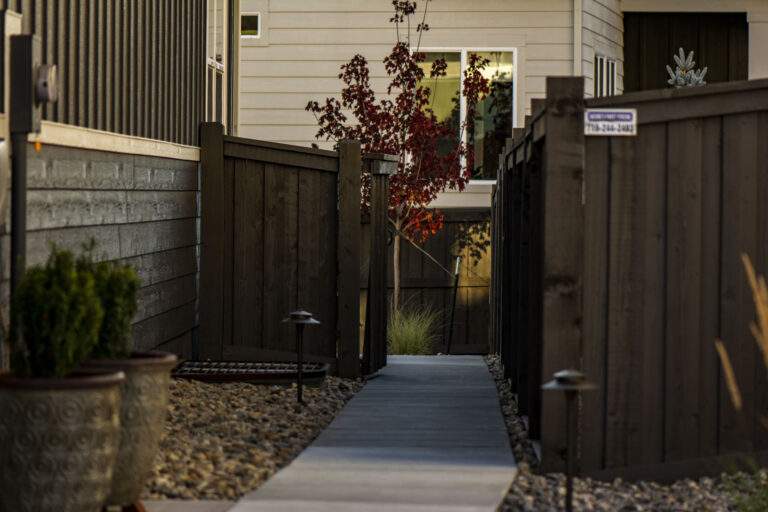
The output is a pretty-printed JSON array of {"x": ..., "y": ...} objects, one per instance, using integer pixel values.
[
  {"x": 300, "y": 318},
  {"x": 571, "y": 382}
]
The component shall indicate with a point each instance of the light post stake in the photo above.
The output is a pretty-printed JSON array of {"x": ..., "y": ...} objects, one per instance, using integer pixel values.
[
  {"x": 300, "y": 319},
  {"x": 571, "y": 383}
]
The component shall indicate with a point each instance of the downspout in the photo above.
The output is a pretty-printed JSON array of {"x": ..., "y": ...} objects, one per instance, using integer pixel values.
[
  {"x": 578, "y": 35},
  {"x": 233, "y": 63}
]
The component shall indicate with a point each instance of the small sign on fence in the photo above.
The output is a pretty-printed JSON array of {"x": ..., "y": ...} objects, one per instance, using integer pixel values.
[{"x": 610, "y": 122}]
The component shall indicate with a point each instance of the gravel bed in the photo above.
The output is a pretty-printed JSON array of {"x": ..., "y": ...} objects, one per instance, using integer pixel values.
[
  {"x": 533, "y": 491},
  {"x": 224, "y": 440}
]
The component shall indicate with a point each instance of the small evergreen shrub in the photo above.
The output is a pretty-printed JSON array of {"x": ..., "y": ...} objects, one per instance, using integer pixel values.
[
  {"x": 411, "y": 331},
  {"x": 55, "y": 317},
  {"x": 116, "y": 287},
  {"x": 685, "y": 73}
]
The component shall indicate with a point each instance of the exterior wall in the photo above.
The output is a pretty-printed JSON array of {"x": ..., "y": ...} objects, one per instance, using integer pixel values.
[
  {"x": 477, "y": 194},
  {"x": 140, "y": 208},
  {"x": 124, "y": 66},
  {"x": 304, "y": 42},
  {"x": 757, "y": 16},
  {"x": 602, "y": 34}
]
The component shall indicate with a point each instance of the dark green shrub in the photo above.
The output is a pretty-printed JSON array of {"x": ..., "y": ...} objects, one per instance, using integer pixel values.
[
  {"x": 116, "y": 287},
  {"x": 55, "y": 317}
]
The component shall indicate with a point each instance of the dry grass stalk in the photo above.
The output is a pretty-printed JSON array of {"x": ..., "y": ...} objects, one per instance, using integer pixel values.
[
  {"x": 730, "y": 377},
  {"x": 759, "y": 330}
]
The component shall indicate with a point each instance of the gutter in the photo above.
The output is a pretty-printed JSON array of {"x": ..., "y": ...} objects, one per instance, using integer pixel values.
[{"x": 578, "y": 35}]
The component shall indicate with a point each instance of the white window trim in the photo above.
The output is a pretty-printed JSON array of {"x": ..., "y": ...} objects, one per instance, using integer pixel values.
[
  {"x": 240, "y": 28},
  {"x": 465, "y": 51},
  {"x": 609, "y": 78}
]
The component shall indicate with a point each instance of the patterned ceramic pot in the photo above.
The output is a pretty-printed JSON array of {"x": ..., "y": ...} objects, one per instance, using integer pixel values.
[
  {"x": 58, "y": 442},
  {"x": 142, "y": 419}
]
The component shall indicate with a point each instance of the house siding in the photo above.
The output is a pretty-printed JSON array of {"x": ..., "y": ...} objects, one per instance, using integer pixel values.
[
  {"x": 304, "y": 43},
  {"x": 140, "y": 210},
  {"x": 603, "y": 34}
]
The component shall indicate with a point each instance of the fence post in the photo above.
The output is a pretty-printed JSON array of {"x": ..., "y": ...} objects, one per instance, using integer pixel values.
[
  {"x": 382, "y": 166},
  {"x": 348, "y": 259},
  {"x": 212, "y": 243},
  {"x": 563, "y": 233}
]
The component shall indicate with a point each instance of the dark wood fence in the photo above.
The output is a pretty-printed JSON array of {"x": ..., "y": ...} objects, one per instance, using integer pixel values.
[
  {"x": 621, "y": 256},
  {"x": 428, "y": 282},
  {"x": 135, "y": 67},
  {"x": 280, "y": 232}
]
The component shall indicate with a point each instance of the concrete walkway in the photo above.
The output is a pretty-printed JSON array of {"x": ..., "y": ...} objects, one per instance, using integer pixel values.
[{"x": 425, "y": 435}]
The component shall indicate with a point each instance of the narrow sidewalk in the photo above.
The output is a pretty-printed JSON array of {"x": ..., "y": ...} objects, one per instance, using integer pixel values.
[{"x": 425, "y": 435}]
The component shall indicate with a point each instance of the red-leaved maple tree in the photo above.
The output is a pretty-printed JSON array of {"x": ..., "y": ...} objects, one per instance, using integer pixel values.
[{"x": 403, "y": 123}]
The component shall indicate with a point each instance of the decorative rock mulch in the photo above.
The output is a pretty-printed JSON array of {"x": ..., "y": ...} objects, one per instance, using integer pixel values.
[
  {"x": 532, "y": 491},
  {"x": 224, "y": 440}
]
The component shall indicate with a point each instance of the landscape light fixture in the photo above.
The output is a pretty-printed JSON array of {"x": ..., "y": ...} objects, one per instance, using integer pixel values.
[
  {"x": 300, "y": 318},
  {"x": 570, "y": 382}
]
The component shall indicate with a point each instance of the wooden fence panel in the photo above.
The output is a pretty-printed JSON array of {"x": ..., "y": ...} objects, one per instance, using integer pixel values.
[
  {"x": 277, "y": 238},
  {"x": 739, "y": 235},
  {"x": 596, "y": 222},
  {"x": 667, "y": 216}
]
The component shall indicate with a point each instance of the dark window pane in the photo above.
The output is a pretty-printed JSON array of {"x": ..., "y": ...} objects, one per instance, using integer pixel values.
[
  {"x": 249, "y": 25},
  {"x": 219, "y": 92},
  {"x": 444, "y": 93},
  {"x": 493, "y": 121}
]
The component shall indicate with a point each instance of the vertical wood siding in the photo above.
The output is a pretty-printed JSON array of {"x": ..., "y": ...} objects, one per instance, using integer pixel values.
[{"x": 127, "y": 66}]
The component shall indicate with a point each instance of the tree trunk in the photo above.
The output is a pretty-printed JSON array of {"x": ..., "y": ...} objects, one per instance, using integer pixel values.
[{"x": 396, "y": 268}]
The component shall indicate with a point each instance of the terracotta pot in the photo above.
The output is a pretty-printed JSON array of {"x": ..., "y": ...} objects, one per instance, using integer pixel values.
[
  {"x": 142, "y": 418},
  {"x": 58, "y": 441}
]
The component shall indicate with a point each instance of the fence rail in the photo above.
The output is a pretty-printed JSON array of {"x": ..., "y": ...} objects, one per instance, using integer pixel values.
[{"x": 621, "y": 256}]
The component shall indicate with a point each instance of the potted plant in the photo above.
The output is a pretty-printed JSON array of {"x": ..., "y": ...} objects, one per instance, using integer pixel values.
[
  {"x": 59, "y": 428},
  {"x": 145, "y": 389}
]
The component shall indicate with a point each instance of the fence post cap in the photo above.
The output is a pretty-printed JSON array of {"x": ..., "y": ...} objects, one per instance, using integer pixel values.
[{"x": 382, "y": 163}]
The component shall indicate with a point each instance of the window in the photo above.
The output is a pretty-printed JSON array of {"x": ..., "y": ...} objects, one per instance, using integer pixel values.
[
  {"x": 486, "y": 133},
  {"x": 250, "y": 25},
  {"x": 605, "y": 76},
  {"x": 215, "y": 51}
]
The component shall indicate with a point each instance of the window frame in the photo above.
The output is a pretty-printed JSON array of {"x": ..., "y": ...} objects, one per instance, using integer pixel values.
[
  {"x": 465, "y": 51},
  {"x": 250, "y": 36},
  {"x": 604, "y": 76}
]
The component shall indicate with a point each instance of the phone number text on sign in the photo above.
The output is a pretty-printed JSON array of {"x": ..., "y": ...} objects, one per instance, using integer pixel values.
[{"x": 606, "y": 122}]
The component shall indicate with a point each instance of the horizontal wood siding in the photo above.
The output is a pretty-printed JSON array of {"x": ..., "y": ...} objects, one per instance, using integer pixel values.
[
  {"x": 304, "y": 43},
  {"x": 603, "y": 34},
  {"x": 113, "y": 58},
  {"x": 140, "y": 210}
]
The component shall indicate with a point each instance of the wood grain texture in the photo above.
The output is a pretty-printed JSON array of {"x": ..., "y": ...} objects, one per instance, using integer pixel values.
[
  {"x": 348, "y": 254},
  {"x": 248, "y": 254},
  {"x": 562, "y": 230}
]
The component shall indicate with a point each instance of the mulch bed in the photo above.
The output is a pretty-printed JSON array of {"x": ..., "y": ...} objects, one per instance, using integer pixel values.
[
  {"x": 224, "y": 440},
  {"x": 533, "y": 491}
]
